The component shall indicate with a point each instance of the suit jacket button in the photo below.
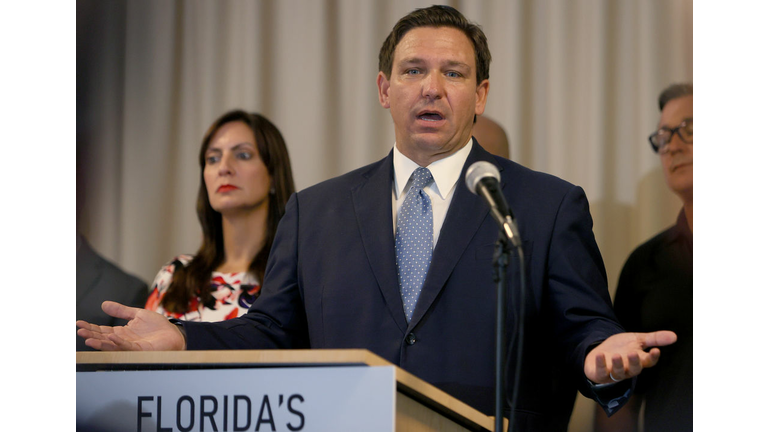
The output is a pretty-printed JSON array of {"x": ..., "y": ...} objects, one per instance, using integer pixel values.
[{"x": 410, "y": 339}]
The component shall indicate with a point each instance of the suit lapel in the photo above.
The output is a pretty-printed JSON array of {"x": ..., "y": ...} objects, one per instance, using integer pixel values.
[
  {"x": 372, "y": 201},
  {"x": 465, "y": 215}
]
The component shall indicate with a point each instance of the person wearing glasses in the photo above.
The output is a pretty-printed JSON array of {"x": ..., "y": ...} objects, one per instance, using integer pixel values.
[{"x": 656, "y": 285}]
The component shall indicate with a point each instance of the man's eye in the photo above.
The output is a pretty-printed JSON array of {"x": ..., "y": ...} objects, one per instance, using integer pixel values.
[
  {"x": 411, "y": 72},
  {"x": 453, "y": 75}
]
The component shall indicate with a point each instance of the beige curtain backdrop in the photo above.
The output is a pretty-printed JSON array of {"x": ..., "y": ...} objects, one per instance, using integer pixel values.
[{"x": 573, "y": 82}]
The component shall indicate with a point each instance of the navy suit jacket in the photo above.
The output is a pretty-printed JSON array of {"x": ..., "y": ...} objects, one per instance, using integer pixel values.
[{"x": 331, "y": 283}]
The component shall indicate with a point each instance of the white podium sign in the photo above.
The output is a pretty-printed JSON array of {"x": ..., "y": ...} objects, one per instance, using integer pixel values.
[{"x": 344, "y": 398}]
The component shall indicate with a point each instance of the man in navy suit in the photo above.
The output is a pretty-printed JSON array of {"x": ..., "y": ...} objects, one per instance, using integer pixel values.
[{"x": 333, "y": 277}]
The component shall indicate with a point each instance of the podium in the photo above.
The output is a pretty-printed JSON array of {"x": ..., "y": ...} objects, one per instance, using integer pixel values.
[{"x": 255, "y": 390}]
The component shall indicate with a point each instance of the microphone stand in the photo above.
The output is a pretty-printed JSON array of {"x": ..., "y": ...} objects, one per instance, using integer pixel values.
[
  {"x": 508, "y": 236},
  {"x": 500, "y": 262}
]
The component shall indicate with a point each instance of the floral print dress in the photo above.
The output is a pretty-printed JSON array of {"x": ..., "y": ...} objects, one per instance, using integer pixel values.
[{"x": 233, "y": 294}]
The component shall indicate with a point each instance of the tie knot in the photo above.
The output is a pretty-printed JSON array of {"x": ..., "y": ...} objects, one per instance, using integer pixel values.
[{"x": 421, "y": 177}]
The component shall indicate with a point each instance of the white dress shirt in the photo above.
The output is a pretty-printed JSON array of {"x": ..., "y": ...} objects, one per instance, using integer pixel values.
[{"x": 445, "y": 172}]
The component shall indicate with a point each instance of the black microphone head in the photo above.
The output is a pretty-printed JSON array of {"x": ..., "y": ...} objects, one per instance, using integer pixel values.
[{"x": 478, "y": 171}]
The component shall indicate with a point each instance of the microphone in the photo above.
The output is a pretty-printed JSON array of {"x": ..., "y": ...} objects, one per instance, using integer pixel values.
[{"x": 482, "y": 179}]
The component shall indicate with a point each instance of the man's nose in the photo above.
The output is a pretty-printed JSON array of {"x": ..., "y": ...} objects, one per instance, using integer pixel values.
[
  {"x": 433, "y": 86},
  {"x": 675, "y": 144}
]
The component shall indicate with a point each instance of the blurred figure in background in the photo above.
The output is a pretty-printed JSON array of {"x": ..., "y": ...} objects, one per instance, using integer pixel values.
[
  {"x": 245, "y": 181},
  {"x": 655, "y": 288},
  {"x": 99, "y": 280},
  {"x": 491, "y": 136}
]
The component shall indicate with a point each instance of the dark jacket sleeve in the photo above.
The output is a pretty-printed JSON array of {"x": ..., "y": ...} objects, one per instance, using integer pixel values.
[{"x": 578, "y": 293}]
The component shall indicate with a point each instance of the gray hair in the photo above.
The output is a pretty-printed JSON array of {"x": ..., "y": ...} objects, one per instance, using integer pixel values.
[{"x": 674, "y": 91}]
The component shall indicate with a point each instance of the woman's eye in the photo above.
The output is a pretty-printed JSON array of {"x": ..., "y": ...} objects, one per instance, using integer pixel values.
[
  {"x": 244, "y": 156},
  {"x": 210, "y": 160}
]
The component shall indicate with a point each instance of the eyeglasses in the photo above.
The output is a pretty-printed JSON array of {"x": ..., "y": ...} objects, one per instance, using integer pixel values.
[{"x": 663, "y": 136}]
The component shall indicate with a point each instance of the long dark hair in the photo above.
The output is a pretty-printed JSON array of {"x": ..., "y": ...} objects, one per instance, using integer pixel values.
[{"x": 195, "y": 278}]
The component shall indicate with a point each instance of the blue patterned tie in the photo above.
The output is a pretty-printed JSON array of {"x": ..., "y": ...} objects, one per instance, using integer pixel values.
[{"x": 413, "y": 240}]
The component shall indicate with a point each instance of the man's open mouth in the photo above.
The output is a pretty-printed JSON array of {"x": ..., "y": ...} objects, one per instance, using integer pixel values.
[{"x": 430, "y": 116}]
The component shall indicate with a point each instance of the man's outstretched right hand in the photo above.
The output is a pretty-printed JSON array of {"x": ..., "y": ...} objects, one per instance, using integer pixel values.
[{"x": 146, "y": 331}]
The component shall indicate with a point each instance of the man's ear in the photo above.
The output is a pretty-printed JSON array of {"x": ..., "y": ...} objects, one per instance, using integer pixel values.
[
  {"x": 383, "y": 84},
  {"x": 481, "y": 97}
]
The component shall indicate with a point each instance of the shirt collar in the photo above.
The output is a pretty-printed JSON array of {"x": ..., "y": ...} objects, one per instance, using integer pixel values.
[{"x": 445, "y": 171}]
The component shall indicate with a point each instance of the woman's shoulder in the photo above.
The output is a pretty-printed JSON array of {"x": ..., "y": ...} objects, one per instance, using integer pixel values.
[
  {"x": 163, "y": 280},
  {"x": 165, "y": 275},
  {"x": 180, "y": 260}
]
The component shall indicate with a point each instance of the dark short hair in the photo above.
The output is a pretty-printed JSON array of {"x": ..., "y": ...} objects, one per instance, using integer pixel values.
[
  {"x": 674, "y": 91},
  {"x": 437, "y": 16}
]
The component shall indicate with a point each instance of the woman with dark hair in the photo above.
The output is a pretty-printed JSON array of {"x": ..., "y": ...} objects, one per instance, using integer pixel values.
[{"x": 245, "y": 181}]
